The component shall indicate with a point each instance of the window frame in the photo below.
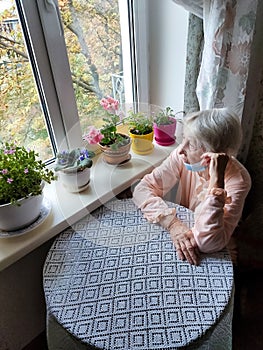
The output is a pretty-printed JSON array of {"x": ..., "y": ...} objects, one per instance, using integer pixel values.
[
  {"x": 139, "y": 42},
  {"x": 43, "y": 33},
  {"x": 52, "y": 70}
]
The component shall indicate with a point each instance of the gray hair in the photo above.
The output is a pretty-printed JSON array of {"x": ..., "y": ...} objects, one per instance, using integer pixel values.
[{"x": 218, "y": 129}]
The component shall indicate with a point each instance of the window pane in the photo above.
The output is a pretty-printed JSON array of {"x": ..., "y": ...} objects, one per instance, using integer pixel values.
[
  {"x": 21, "y": 116},
  {"x": 93, "y": 40}
]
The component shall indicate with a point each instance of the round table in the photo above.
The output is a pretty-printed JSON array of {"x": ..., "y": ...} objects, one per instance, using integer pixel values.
[{"x": 113, "y": 281}]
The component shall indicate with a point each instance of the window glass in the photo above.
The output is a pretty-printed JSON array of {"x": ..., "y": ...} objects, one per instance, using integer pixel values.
[
  {"x": 21, "y": 116},
  {"x": 93, "y": 40}
]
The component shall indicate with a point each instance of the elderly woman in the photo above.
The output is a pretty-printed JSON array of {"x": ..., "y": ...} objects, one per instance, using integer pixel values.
[{"x": 210, "y": 180}]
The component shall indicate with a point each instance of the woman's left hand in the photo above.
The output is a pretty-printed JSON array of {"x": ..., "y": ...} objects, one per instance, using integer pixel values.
[
  {"x": 185, "y": 244},
  {"x": 217, "y": 163}
]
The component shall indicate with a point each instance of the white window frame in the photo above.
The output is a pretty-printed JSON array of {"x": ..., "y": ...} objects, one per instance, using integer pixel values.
[
  {"x": 45, "y": 33},
  {"x": 49, "y": 50},
  {"x": 141, "y": 49}
]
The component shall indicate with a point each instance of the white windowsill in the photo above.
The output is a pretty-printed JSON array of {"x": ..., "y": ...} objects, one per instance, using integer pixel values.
[{"x": 67, "y": 208}]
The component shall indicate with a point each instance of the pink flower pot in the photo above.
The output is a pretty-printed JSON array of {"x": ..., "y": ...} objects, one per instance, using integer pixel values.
[{"x": 165, "y": 134}]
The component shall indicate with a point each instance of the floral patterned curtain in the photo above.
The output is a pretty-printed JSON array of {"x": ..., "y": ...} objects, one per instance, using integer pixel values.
[
  {"x": 195, "y": 43},
  {"x": 228, "y": 27},
  {"x": 193, "y": 6},
  {"x": 228, "y": 34}
]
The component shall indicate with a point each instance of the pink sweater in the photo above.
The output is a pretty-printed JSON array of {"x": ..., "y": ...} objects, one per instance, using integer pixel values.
[{"x": 217, "y": 212}]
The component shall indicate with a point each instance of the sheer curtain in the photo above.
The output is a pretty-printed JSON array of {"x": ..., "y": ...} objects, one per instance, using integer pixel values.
[{"x": 219, "y": 50}]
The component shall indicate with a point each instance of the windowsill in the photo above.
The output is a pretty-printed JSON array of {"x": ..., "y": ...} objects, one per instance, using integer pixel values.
[{"x": 67, "y": 208}]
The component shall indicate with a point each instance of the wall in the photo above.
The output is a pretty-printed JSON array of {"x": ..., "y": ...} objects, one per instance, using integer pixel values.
[
  {"x": 22, "y": 303},
  {"x": 250, "y": 239},
  {"x": 168, "y": 25}
]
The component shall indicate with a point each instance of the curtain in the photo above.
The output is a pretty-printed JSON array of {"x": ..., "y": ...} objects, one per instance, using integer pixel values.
[
  {"x": 193, "y": 6},
  {"x": 228, "y": 27},
  {"x": 193, "y": 62}
]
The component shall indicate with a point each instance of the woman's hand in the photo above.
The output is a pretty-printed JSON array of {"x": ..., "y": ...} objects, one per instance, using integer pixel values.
[
  {"x": 185, "y": 244},
  {"x": 217, "y": 163}
]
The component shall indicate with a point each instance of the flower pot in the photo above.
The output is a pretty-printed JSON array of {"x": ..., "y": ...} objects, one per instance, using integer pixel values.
[
  {"x": 164, "y": 134},
  {"x": 75, "y": 181},
  {"x": 142, "y": 144},
  {"x": 14, "y": 217},
  {"x": 117, "y": 156}
]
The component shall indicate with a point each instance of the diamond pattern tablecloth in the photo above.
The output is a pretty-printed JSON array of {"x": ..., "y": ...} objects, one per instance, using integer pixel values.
[{"x": 113, "y": 281}]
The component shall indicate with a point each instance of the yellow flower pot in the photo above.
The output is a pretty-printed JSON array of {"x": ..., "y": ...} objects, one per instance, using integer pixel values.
[{"x": 142, "y": 144}]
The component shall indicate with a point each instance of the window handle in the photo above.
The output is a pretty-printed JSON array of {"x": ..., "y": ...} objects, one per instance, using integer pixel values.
[{"x": 50, "y": 7}]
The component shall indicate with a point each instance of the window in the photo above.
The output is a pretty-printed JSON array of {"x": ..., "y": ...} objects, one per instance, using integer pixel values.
[
  {"x": 49, "y": 106},
  {"x": 93, "y": 40},
  {"x": 21, "y": 116}
]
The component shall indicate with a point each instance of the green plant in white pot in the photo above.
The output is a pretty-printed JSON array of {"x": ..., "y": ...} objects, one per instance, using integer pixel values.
[
  {"x": 73, "y": 168},
  {"x": 22, "y": 178}
]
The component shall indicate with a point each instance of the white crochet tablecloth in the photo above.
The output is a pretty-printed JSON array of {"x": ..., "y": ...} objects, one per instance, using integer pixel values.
[{"x": 113, "y": 281}]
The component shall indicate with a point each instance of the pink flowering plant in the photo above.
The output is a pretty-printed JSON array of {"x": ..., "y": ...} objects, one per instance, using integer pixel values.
[
  {"x": 21, "y": 173},
  {"x": 107, "y": 135}
]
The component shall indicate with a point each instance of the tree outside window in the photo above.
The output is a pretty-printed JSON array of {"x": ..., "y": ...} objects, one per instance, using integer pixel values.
[{"x": 93, "y": 40}]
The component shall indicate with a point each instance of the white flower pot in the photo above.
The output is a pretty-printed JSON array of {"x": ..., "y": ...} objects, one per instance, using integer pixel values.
[
  {"x": 75, "y": 181},
  {"x": 14, "y": 217}
]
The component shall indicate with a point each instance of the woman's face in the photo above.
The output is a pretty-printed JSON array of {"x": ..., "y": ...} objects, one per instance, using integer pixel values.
[{"x": 191, "y": 149}]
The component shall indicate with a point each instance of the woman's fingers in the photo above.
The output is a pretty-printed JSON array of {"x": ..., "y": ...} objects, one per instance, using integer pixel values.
[
  {"x": 186, "y": 251},
  {"x": 186, "y": 246},
  {"x": 205, "y": 159},
  {"x": 189, "y": 253},
  {"x": 178, "y": 248},
  {"x": 218, "y": 157}
]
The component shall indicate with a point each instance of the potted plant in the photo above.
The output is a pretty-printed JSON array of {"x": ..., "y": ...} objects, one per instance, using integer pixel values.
[
  {"x": 141, "y": 132},
  {"x": 73, "y": 168},
  {"x": 115, "y": 146},
  {"x": 164, "y": 127},
  {"x": 22, "y": 178}
]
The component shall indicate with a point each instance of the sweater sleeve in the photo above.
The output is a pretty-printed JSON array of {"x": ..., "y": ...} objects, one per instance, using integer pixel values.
[
  {"x": 148, "y": 194},
  {"x": 219, "y": 213}
]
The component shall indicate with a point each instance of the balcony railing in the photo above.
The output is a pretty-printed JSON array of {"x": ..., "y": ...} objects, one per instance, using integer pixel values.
[{"x": 118, "y": 87}]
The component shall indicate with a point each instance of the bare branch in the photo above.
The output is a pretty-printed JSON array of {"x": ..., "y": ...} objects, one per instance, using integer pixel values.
[{"x": 10, "y": 46}]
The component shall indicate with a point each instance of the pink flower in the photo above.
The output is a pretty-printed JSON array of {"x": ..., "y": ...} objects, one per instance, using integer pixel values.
[
  {"x": 26, "y": 171},
  {"x": 110, "y": 104},
  {"x": 9, "y": 180},
  {"x": 9, "y": 151},
  {"x": 239, "y": 58},
  {"x": 93, "y": 136},
  {"x": 4, "y": 171}
]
